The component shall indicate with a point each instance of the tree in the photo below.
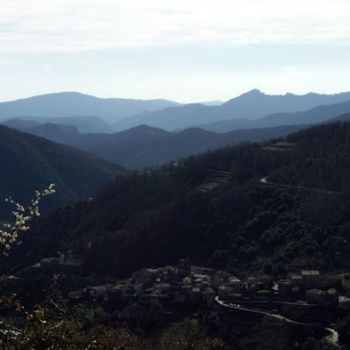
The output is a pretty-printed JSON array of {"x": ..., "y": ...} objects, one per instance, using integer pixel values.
[{"x": 9, "y": 233}]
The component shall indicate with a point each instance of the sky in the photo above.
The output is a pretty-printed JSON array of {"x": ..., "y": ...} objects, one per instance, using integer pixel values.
[{"x": 184, "y": 50}]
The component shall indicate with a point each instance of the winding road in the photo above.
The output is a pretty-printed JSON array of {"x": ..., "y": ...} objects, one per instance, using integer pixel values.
[
  {"x": 331, "y": 338},
  {"x": 265, "y": 181}
]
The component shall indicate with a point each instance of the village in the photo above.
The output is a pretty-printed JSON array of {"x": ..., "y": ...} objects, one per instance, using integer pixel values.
[
  {"x": 307, "y": 299},
  {"x": 190, "y": 285}
]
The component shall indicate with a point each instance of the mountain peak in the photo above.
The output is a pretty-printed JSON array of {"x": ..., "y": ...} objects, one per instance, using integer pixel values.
[
  {"x": 144, "y": 130},
  {"x": 254, "y": 93}
]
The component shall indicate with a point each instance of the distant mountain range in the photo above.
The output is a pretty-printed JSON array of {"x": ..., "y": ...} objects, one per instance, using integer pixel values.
[
  {"x": 249, "y": 106},
  {"x": 107, "y": 115},
  {"x": 68, "y": 104},
  {"x": 83, "y": 124},
  {"x": 213, "y": 103},
  {"x": 29, "y": 163},
  {"x": 55, "y": 132},
  {"x": 145, "y": 146},
  {"x": 313, "y": 116}
]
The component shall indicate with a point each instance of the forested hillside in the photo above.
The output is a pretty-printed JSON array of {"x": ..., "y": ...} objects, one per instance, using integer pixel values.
[
  {"x": 145, "y": 146},
  {"x": 250, "y": 207},
  {"x": 34, "y": 163}
]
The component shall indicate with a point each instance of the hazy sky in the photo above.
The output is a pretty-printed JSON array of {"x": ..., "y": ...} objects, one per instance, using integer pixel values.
[{"x": 186, "y": 50}]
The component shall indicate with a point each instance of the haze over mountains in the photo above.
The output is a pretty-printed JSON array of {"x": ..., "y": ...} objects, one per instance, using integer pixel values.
[
  {"x": 249, "y": 106},
  {"x": 60, "y": 133},
  {"x": 34, "y": 163},
  {"x": 82, "y": 123},
  {"x": 144, "y": 146},
  {"x": 71, "y": 104},
  {"x": 315, "y": 115},
  {"x": 96, "y": 115}
]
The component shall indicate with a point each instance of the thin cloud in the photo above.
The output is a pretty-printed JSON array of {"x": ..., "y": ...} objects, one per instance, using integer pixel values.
[{"x": 62, "y": 25}]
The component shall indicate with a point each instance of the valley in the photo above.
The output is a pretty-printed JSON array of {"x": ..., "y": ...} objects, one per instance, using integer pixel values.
[
  {"x": 174, "y": 175},
  {"x": 258, "y": 219}
]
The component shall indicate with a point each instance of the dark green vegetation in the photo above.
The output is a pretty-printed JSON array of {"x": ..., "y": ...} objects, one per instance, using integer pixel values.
[
  {"x": 256, "y": 208},
  {"x": 272, "y": 214},
  {"x": 34, "y": 163},
  {"x": 62, "y": 328}
]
